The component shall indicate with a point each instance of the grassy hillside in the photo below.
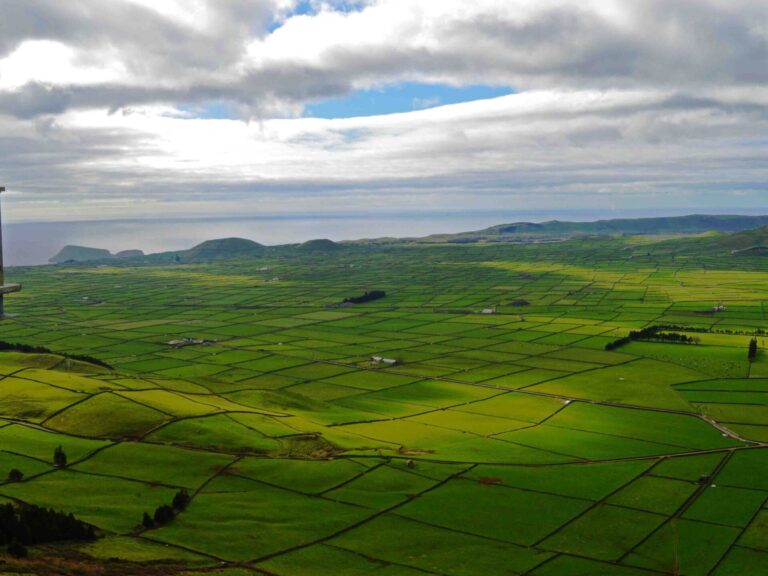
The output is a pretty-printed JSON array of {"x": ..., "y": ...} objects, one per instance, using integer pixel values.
[
  {"x": 233, "y": 248},
  {"x": 681, "y": 225},
  {"x": 320, "y": 245},
  {"x": 742, "y": 245},
  {"x": 222, "y": 248},
  {"x": 751, "y": 241}
]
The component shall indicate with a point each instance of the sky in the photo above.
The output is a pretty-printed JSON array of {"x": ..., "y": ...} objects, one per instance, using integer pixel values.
[{"x": 195, "y": 108}]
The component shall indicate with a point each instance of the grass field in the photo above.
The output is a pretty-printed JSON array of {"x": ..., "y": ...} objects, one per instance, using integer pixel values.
[{"x": 503, "y": 443}]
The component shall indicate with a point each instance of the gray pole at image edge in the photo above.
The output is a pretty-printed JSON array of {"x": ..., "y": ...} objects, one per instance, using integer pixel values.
[{"x": 2, "y": 273}]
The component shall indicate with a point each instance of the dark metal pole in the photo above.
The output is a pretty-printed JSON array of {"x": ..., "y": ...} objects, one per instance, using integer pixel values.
[{"x": 2, "y": 273}]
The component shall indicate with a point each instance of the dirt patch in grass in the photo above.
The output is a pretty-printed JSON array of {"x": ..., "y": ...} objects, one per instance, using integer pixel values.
[{"x": 489, "y": 481}]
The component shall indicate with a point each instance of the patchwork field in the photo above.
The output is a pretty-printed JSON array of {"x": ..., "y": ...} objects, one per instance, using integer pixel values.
[{"x": 504, "y": 440}]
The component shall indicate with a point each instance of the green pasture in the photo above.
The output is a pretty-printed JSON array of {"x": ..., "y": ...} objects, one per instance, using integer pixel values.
[{"x": 506, "y": 443}]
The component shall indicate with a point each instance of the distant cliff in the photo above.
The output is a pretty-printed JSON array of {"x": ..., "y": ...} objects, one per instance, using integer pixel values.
[{"x": 86, "y": 254}]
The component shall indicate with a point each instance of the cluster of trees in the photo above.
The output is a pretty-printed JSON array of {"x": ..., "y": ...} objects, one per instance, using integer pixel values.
[
  {"x": 165, "y": 513},
  {"x": 653, "y": 333},
  {"x": 618, "y": 343},
  {"x": 752, "y": 354},
  {"x": 27, "y": 349},
  {"x": 28, "y": 524},
  {"x": 709, "y": 330},
  {"x": 674, "y": 337},
  {"x": 367, "y": 297}
]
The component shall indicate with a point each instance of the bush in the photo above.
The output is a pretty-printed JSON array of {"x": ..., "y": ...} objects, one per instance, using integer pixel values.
[
  {"x": 165, "y": 513},
  {"x": 15, "y": 475},
  {"x": 367, "y": 297},
  {"x": 59, "y": 457}
]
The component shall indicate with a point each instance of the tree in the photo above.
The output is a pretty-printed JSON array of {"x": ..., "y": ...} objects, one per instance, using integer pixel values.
[
  {"x": 163, "y": 514},
  {"x": 181, "y": 500},
  {"x": 752, "y": 354},
  {"x": 59, "y": 457},
  {"x": 147, "y": 521},
  {"x": 28, "y": 524},
  {"x": 15, "y": 475}
]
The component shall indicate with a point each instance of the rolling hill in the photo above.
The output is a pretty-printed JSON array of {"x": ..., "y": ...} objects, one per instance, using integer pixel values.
[
  {"x": 555, "y": 229},
  {"x": 319, "y": 245},
  {"x": 748, "y": 243},
  {"x": 221, "y": 249},
  {"x": 747, "y": 233}
]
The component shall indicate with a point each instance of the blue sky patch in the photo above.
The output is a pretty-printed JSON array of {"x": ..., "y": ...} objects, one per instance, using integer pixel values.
[
  {"x": 304, "y": 7},
  {"x": 216, "y": 110},
  {"x": 404, "y": 97},
  {"x": 391, "y": 99}
]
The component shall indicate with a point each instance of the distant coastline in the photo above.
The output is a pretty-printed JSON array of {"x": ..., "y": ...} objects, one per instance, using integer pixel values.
[{"x": 33, "y": 243}]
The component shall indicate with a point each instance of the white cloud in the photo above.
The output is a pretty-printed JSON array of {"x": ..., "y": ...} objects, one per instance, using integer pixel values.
[
  {"x": 55, "y": 63},
  {"x": 541, "y": 145},
  {"x": 189, "y": 52},
  {"x": 633, "y": 97}
]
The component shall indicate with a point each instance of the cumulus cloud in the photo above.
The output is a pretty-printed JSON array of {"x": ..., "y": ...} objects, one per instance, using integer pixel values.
[
  {"x": 99, "y": 102},
  {"x": 204, "y": 49}
]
